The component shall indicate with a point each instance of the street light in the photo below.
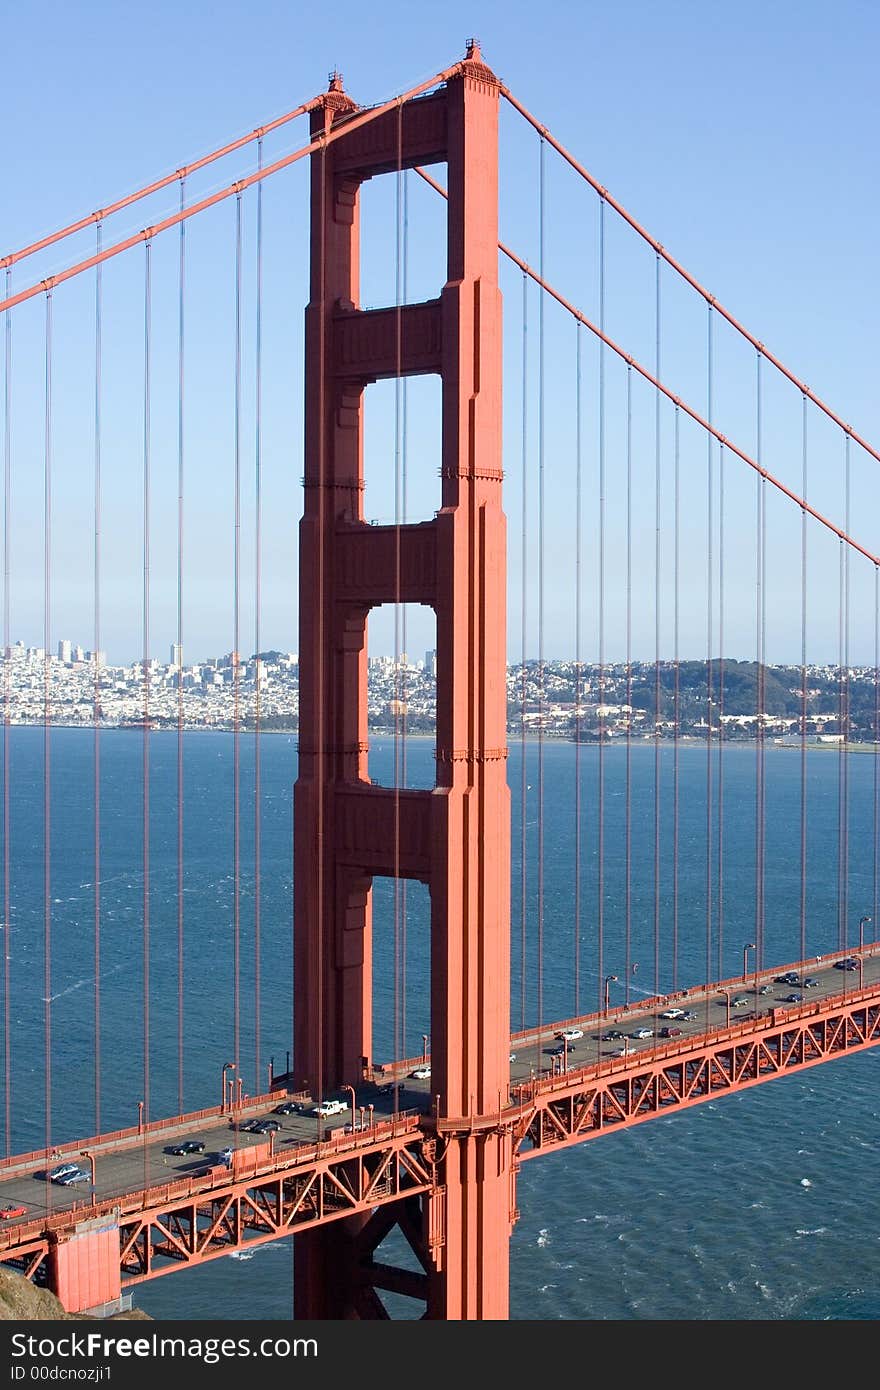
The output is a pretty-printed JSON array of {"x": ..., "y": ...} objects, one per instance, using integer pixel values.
[
  {"x": 350, "y": 1090},
  {"x": 140, "y": 1116},
  {"x": 424, "y": 1047},
  {"x": 749, "y": 946},
  {"x": 862, "y": 921},
  {"x": 726, "y": 993},
  {"x": 608, "y": 979},
  {"x": 227, "y": 1066},
  {"x": 85, "y": 1153}
]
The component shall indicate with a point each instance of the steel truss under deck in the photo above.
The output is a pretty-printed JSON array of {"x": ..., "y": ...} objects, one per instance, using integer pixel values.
[
  {"x": 391, "y": 1178},
  {"x": 621, "y": 1092}
]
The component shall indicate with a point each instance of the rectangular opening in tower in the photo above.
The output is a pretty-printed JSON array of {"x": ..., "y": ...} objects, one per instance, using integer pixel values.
[
  {"x": 401, "y": 979},
  {"x": 402, "y": 695},
  {"x": 402, "y": 450},
  {"x": 403, "y": 239}
]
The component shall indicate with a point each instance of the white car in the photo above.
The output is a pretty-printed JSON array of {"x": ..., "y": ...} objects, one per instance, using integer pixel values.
[
  {"x": 570, "y": 1034},
  {"x": 421, "y": 1073},
  {"x": 643, "y": 1033},
  {"x": 672, "y": 1013},
  {"x": 330, "y": 1107}
]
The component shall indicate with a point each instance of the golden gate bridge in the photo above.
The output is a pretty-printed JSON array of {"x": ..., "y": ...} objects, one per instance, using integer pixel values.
[{"x": 676, "y": 457}]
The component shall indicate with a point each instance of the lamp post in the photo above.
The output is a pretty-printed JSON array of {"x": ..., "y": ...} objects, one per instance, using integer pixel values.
[
  {"x": 350, "y": 1090},
  {"x": 424, "y": 1047},
  {"x": 726, "y": 993},
  {"x": 608, "y": 979},
  {"x": 862, "y": 921},
  {"x": 749, "y": 946},
  {"x": 227, "y": 1066},
  {"x": 140, "y": 1116},
  {"x": 86, "y": 1153},
  {"x": 370, "y": 1112}
]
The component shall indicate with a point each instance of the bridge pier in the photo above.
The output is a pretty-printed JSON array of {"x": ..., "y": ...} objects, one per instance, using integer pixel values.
[{"x": 456, "y": 837}]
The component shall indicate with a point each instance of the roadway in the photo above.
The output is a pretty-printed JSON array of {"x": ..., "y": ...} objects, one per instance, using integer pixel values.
[{"x": 136, "y": 1163}]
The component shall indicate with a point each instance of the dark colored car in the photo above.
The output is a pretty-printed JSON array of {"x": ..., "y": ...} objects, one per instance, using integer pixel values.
[
  {"x": 848, "y": 964},
  {"x": 670, "y": 1032},
  {"x": 794, "y": 998},
  {"x": 810, "y": 983},
  {"x": 612, "y": 1035},
  {"x": 562, "y": 1050},
  {"x": 789, "y": 978},
  {"x": 266, "y": 1127},
  {"x": 288, "y": 1107},
  {"x": 189, "y": 1146}
]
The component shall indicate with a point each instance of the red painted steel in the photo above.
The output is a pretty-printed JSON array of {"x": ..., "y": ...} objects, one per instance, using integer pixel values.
[
  {"x": 85, "y": 1265},
  {"x": 455, "y": 838}
]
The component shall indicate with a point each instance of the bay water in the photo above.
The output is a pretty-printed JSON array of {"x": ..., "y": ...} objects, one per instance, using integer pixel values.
[{"x": 760, "y": 1205}]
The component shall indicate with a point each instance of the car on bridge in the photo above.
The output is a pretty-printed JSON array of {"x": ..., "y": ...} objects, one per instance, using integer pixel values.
[
  {"x": 612, "y": 1035},
  {"x": 793, "y": 998},
  {"x": 78, "y": 1175},
  {"x": 791, "y": 977},
  {"x": 265, "y": 1126},
  {"x": 188, "y": 1146},
  {"x": 810, "y": 983},
  {"x": 740, "y": 1002},
  {"x": 643, "y": 1033},
  {"x": 421, "y": 1073},
  {"x": 672, "y": 1013},
  {"x": 62, "y": 1171},
  {"x": 288, "y": 1107},
  {"x": 668, "y": 1032},
  {"x": 850, "y": 963},
  {"x": 330, "y": 1107},
  {"x": 570, "y": 1034},
  {"x": 10, "y": 1210}
]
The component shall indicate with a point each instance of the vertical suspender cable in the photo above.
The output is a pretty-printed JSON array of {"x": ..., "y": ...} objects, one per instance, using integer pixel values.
[
  {"x": 181, "y": 327},
  {"x": 258, "y": 594},
  {"x": 404, "y": 639},
  {"x": 236, "y": 662},
  {"x": 760, "y": 556},
  {"x": 96, "y": 660},
  {"x": 657, "y": 687},
  {"x": 146, "y": 678},
  {"x": 399, "y": 1037},
  {"x": 676, "y": 688},
  {"x": 600, "y": 869},
  {"x": 720, "y": 812},
  {"x": 803, "y": 826},
  {"x": 47, "y": 773},
  {"x": 399, "y": 1050},
  {"x": 710, "y": 524},
  {"x": 523, "y": 868},
  {"x": 629, "y": 718},
  {"x": 320, "y": 588},
  {"x": 844, "y": 701},
  {"x": 841, "y": 915},
  {"x": 578, "y": 670},
  {"x": 7, "y": 693},
  {"x": 541, "y": 702},
  {"x": 876, "y": 799}
]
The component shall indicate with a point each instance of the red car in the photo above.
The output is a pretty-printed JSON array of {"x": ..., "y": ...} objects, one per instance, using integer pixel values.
[{"x": 10, "y": 1209}]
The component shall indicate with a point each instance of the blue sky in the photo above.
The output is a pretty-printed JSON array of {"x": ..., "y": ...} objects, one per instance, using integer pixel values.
[{"x": 743, "y": 137}]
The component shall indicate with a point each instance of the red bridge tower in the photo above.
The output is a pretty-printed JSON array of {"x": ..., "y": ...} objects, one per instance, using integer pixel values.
[{"x": 455, "y": 837}]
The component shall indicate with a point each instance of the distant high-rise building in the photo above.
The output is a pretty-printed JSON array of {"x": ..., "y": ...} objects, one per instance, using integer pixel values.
[
  {"x": 64, "y": 650},
  {"x": 431, "y": 663},
  {"x": 78, "y": 654},
  {"x": 176, "y": 657}
]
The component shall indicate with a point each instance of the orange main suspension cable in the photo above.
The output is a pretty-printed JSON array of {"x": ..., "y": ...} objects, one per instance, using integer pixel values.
[
  {"x": 680, "y": 270},
  {"x": 341, "y": 127},
  {"x": 676, "y": 400},
  {"x": 179, "y": 174}
]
